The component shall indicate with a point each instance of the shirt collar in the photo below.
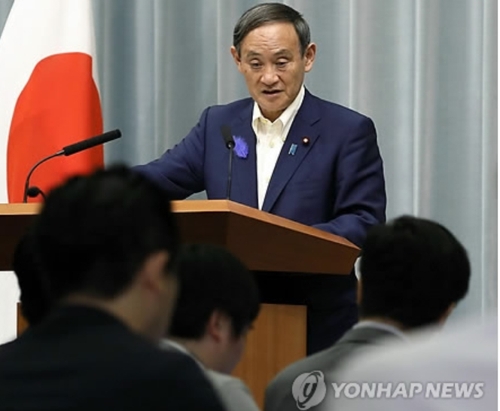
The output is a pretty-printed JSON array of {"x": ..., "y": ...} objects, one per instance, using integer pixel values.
[
  {"x": 172, "y": 345},
  {"x": 285, "y": 117},
  {"x": 382, "y": 326}
]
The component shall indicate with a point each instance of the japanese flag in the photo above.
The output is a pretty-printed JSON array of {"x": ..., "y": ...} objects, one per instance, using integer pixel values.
[{"x": 48, "y": 93}]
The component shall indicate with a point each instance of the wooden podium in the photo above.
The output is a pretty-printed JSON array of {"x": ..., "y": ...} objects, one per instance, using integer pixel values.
[{"x": 265, "y": 243}]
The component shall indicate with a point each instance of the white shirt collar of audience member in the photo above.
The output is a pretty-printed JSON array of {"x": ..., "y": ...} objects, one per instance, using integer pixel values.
[{"x": 169, "y": 344}]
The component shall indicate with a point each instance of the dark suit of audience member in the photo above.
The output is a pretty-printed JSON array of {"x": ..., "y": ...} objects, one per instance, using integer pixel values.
[
  {"x": 82, "y": 358},
  {"x": 102, "y": 248},
  {"x": 413, "y": 273},
  {"x": 34, "y": 293}
]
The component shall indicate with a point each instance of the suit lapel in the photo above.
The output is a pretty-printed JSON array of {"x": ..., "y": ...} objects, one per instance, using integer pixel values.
[
  {"x": 294, "y": 150},
  {"x": 245, "y": 169}
]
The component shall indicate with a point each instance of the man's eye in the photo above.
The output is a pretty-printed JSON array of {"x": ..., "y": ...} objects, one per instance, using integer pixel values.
[
  {"x": 255, "y": 65},
  {"x": 281, "y": 64}
]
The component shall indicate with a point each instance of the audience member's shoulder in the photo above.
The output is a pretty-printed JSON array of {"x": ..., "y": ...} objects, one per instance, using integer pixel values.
[
  {"x": 233, "y": 392},
  {"x": 472, "y": 339},
  {"x": 314, "y": 362},
  {"x": 13, "y": 350},
  {"x": 135, "y": 370},
  {"x": 279, "y": 390},
  {"x": 167, "y": 361},
  {"x": 219, "y": 379},
  {"x": 5, "y": 348},
  {"x": 325, "y": 361},
  {"x": 177, "y": 379},
  {"x": 461, "y": 355}
]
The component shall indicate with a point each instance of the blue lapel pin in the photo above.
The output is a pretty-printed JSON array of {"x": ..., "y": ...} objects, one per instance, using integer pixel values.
[{"x": 293, "y": 149}]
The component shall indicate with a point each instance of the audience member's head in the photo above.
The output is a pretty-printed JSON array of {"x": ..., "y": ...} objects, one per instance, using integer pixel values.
[
  {"x": 109, "y": 240},
  {"x": 35, "y": 302},
  {"x": 218, "y": 302},
  {"x": 413, "y": 272}
]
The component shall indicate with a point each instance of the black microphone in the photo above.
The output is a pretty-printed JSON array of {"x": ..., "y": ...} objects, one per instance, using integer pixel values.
[
  {"x": 228, "y": 139},
  {"x": 34, "y": 191},
  {"x": 91, "y": 142},
  {"x": 67, "y": 151}
]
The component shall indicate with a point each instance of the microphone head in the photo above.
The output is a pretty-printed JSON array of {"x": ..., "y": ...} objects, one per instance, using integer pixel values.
[
  {"x": 227, "y": 135},
  {"x": 91, "y": 142},
  {"x": 34, "y": 191},
  {"x": 113, "y": 134}
]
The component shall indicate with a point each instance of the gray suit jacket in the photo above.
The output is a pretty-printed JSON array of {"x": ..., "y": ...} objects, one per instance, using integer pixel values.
[
  {"x": 233, "y": 393},
  {"x": 279, "y": 395}
]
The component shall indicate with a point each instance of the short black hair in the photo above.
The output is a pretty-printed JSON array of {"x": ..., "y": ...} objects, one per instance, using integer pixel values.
[
  {"x": 94, "y": 232},
  {"x": 412, "y": 270},
  {"x": 34, "y": 298},
  {"x": 266, "y": 13},
  {"x": 210, "y": 279}
]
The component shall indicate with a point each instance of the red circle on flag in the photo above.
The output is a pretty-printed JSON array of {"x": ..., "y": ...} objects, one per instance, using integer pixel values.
[{"x": 58, "y": 106}]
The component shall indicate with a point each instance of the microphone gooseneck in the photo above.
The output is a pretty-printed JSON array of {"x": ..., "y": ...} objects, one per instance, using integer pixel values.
[
  {"x": 67, "y": 151},
  {"x": 27, "y": 182}
]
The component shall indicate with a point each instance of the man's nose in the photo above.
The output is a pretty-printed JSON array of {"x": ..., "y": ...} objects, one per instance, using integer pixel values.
[{"x": 269, "y": 76}]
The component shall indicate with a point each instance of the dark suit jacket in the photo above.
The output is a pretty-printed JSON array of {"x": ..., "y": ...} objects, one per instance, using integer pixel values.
[
  {"x": 279, "y": 391},
  {"x": 335, "y": 182},
  {"x": 84, "y": 359}
]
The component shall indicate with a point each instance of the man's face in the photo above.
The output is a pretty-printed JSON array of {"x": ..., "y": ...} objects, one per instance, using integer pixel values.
[
  {"x": 170, "y": 294},
  {"x": 273, "y": 66},
  {"x": 231, "y": 348},
  {"x": 165, "y": 287}
]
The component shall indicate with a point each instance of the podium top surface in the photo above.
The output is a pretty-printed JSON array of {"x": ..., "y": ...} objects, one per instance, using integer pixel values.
[
  {"x": 263, "y": 241},
  {"x": 224, "y": 206}
]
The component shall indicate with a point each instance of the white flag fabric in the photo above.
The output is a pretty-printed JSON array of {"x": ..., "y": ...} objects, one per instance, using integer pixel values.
[
  {"x": 9, "y": 296},
  {"x": 49, "y": 96}
]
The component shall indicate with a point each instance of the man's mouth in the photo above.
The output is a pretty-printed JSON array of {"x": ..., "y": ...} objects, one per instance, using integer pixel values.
[{"x": 271, "y": 92}]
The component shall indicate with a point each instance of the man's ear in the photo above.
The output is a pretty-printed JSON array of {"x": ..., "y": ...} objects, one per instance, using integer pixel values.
[
  {"x": 309, "y": 56},
  {"x": 447, "y": 313},
  {"x": 218, "y": 325},
  {"x": 236, "y": 57},
  {"x": 359, "y": 293},
  {"x": 152, "y": 273}
]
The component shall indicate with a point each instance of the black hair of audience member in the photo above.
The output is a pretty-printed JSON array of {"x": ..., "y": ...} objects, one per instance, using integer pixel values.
[
  {"x": 210, "y": 279},
  {"x": 94, "y": 232},
  {"x": 412, "y": 271},
  {"x": 35, "y": 302}
]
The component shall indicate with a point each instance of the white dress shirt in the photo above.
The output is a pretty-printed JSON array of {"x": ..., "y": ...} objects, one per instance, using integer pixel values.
[{"x": 270, "y": 139}]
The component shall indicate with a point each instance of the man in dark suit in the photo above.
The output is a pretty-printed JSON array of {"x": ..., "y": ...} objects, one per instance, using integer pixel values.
[
  {"x": 102, "y": 248},
  {"x": 413, "y": 273},
  {"x": 296, "y": 156}
]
